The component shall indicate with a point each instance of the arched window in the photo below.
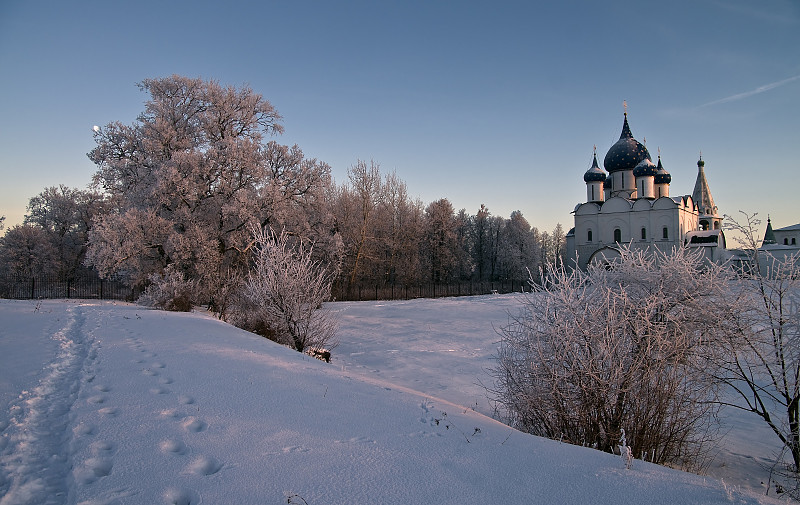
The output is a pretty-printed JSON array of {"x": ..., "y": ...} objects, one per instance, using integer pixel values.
[
  {"x": 794, "y": 241},
  {"x": 617, "y": 235},
  {"x": 704, "y": 225},
  {"x": 665, "y": 233},
  {"x": 786, "y": 241},
  {"x": 644, "y": 233},
  {"x": 589, "y": 235}
]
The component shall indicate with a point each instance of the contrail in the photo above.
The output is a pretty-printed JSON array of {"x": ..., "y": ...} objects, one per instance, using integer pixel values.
[{"x": 760, "y": 89}]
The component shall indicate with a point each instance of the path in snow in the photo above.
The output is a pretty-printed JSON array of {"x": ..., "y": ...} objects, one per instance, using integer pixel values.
[{"x": 35, "y": 460}]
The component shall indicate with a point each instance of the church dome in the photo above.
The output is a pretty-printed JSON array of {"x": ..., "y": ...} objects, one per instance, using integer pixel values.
[
  {"x": 595, "y": 173},
  {"x": 645, "y": 168},
  {"x": 626, "y": 153},
  {"x": 662, "y": 176}
]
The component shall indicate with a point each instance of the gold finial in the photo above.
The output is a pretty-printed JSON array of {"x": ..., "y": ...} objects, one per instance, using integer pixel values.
[
  {"x": 659, "y": 151},
  {"x": 625, "y": 107},
  {"x": 594, "y": 151},
  {"x": 644, "y": 141}
]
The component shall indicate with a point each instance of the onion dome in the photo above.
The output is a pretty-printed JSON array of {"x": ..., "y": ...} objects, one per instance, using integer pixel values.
[
  {"x": 595, "y": 173},
  {"x": 626, "y": 153},
  {"x": 607, "y": 184},
  {"x": 645, "y": 168},
  {"x": 662, "y": 176}
]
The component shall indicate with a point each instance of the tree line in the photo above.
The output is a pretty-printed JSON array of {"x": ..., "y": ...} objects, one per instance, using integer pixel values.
[{"x": 184, "y": 183}]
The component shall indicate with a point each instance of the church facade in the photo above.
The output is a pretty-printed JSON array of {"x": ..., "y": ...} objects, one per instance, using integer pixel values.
[{"x": 630, "y": 203}]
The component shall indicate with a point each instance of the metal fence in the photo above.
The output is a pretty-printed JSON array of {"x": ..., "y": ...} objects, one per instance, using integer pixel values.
[
  {"x": 42, "y": 287},
  {"x": 18, "y": 288},
  {"x": 406, "y": 292}
]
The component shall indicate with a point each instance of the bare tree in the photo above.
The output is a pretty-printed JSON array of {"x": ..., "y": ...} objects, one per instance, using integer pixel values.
[
  {"x": 595, "y": 353},
  {"x": 284, "y": 293},
  {"x": 761, "y": 358}
]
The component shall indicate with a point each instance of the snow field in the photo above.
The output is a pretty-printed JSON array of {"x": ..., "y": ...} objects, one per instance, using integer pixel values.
[{"x": 130, "y": 405}]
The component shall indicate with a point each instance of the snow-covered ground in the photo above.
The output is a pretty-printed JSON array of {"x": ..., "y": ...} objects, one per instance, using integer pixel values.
[{"x": 110, "y": 403}]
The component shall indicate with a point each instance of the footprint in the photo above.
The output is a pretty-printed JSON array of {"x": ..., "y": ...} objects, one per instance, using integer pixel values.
[
  {"x": 102, "y": 388},
  {"x": 93, "y": 469},
  {"x": 173, "y": 413},
  {"x": 83, "y": 429},
  {"x": 109, "y": 411},
  {"x": 96, "y": 399},
  {"x": 159, "y": 391},
  {"x": 356, "y": 440},
  {"x": 173, "y": 446},
  {"x": 174, "y": 496},
  {"x": 193, "y": 424},
  {"x": 166, "y": 380},
  {"x": 158, "y": 364},
  {"x": 185, "y": 400},
  {"x": 102, "y": 447},
  {"x": 149, "y": 372},
  {"x": 203, "y": 465},
  {"x": 294, "y": 448}
]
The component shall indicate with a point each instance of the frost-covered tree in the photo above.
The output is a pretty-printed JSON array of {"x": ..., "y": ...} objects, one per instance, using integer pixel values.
[
  {"x": 27, "y": 251},
  {"x": 440, "y": 243},
  {"x": 190, "y": 176},
  {"x": 761, "y": 354},
  {"x": 366, "y": 192},
  {"x": 594, "y": 353},
  {"x": 284, "y": 293},
  {"x": 398, "y": 223},
  {"x": 517, "y": 248},
  {"x": 66, "y": 215}
]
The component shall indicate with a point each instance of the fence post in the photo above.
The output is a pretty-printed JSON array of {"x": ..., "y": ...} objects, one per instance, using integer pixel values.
[
  {"x": 33, "y": 287},
  {"x": 101, "y": 289},
  {"x": 69, "y": 282}
]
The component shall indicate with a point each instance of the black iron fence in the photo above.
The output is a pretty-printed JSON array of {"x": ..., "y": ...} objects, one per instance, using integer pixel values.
[
  {"x": 25, "y": 288},
  {"x": 405, "y": 292},
  {"x": 42, "y": 287}
]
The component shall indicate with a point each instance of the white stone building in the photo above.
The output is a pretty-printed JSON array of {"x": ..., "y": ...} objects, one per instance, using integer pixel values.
[{"x": 630, "y": 202}]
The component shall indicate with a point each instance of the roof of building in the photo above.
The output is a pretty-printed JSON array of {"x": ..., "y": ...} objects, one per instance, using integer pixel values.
[
  {"x": 595, "y": 173},
  {"x": 702, "y": 193},
  {"x": 794, "y": 227},
  {"x": 626, "y": 153},
  {"x": 662, "y": 176},
  {"x": 645, "y": 168},
  {"x": 769, "y": 235}
]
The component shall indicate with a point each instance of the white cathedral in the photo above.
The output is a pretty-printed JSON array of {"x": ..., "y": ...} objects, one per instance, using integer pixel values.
[{"x": 631, "y": 203}]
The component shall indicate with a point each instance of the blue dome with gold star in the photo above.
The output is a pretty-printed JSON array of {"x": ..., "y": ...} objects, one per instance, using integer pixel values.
[
  {"x": 595, "y": 173},
  {"x": 645, "y": 168},
  {"x": 662, "y": 176},
  {"x": 626, "y": 153}
]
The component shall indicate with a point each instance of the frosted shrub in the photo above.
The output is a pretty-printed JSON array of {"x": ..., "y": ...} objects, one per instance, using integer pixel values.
[
  {"x": 170, "y": 291},
  {"x": 283, "y": 295},
  {"x": 593, "y": 350}
]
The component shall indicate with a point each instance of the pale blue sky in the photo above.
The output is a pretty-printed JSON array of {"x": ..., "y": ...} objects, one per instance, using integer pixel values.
[{"x": 482, "y": 103}]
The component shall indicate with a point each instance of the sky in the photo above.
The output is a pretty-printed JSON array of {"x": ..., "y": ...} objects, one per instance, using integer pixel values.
[{"x": 496, "y": 104}]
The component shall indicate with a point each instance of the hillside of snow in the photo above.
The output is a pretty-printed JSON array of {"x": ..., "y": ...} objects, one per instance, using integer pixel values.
[{"x": 110, "y": 403}]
